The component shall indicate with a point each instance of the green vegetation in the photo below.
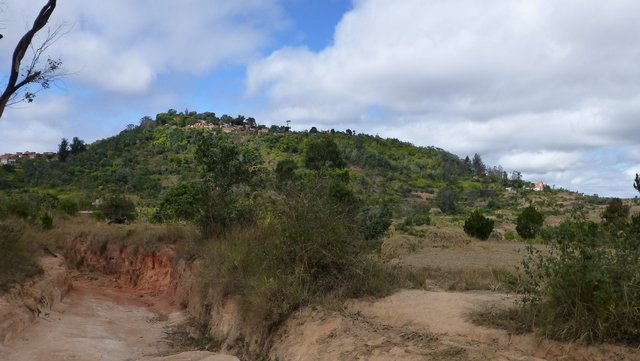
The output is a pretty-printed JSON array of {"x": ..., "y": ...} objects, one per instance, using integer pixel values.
[
  {"x": 118, "y": 207},
  {"x": 615, "y": 216},
  {"x": 529, "y": 223},
  {"x": 586, "y": 291},
  {"x": 479, "y": 226}
]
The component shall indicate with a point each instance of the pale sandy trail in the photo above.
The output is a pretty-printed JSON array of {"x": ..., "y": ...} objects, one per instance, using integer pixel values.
[{"x": 93, "y": 324}]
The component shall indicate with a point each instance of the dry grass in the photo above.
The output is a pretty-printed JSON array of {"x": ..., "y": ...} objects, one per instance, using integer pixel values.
[
  {"x": 149, "y": 236},
  {"x": 18, "y": 254},
  {"x": 514, "y": 320},
  {"x": 485, "y": 279},
  {"x": 399, "y": 245}
]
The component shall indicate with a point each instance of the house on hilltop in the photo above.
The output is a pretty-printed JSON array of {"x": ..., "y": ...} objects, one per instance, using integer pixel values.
[
  {"x": 538, "y": 186},
  {"x": 7, "y": 159}
]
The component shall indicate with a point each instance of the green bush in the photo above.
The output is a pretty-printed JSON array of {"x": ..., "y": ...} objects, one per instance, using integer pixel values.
[
  {"x": 17, "y": 255},
  {"x": 118, "y": 206},
  {"x": 181, "y": 203},
  {"x": 580, "y": 290},
  {"x": 305, "y": 247},
  {"x": 529, "y": 223},
  {"x": 46, "y": 221},
  {"x": 447, "y": 199},
  {"x": 68, "y": 206},
  {"x": 478, "y": 226},
  {"x": 420, "y": 219},
  {"x": 374, "y": 221},
  {"x": 616, "y": 215}
]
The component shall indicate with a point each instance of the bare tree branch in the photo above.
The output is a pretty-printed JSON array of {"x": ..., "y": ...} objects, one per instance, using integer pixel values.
[{"x": 30, "y": 75}]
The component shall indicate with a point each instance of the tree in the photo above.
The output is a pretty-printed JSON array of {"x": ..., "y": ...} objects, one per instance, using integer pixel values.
[
  {"x": 63, "y": 150},
  {"x": 229, "y": 169},
  {"x": 322, "y": 152},
  {"x": 529, "y": 222},
  {"x": 478, "y": 225},
  {"x": 19, "y": 77},
  {"x": 636, "y": 183},
  {"x": 615, "y": 215},
  {"x": 446, "y": 200},
  {"x": 478, "y": 165},
  {"x": 77, "y": 146}
]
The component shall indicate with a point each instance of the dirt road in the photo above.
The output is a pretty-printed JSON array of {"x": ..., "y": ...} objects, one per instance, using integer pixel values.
[{"x": 101, "y": 321}]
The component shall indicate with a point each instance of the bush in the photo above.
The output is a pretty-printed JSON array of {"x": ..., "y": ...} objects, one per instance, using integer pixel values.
[
  {"x": 118, "y": 206},
  {"x": 374, "y": 221},
  {"x": 305, "y": 247},
  {"x": 421, "y": 219},
  {"x": 322, "y": 151},
  {"x": 17, "y": 256},
  {"x": 615, "y": 216},
  {"x": 579, "y": 290},
  {"x": 68, "y": 206},
  {"x": 478, "y": 226},
  {"x": 46, "y": 221},
  {"x": 446, "y": 200},
  {"x": 180, "y": 203},
  {"x": 529, "y": 223}
]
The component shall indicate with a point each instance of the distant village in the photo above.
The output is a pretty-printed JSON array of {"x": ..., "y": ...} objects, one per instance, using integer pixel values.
[
  {"x": 10, "y": 158},
  {"x": 228, "y": 128}
]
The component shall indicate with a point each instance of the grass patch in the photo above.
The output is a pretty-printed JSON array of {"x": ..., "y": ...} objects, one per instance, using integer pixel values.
[
  {"x": 513, "y": 319},
  {"x": 151, "y": 237},
  {"x": 497, "y": 279}
]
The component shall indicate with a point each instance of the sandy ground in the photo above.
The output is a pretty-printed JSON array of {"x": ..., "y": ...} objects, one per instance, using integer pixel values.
[{"x": 96, "y": 321}]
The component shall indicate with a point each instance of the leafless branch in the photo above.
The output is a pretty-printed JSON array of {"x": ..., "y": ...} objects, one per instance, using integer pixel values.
[{"x": 31, "y": 74}]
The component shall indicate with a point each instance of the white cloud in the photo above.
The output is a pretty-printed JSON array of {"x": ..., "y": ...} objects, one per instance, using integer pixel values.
[
  {"x": 545, "y": 82},
  {"x": 35, "y": 128},
  {"x": 124, "y": 46},
  {"x": 542, "y": 161}
]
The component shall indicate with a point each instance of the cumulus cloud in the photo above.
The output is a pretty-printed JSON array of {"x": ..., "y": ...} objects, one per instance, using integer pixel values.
[
  {"x": 36, "y": 128},
  {"x": 123, "y": 46},
  {"x": 537, "y": 81}
]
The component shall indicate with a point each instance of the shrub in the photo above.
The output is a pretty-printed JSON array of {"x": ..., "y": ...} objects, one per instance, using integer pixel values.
[
  {"x": 17, "y": 256},
  {"x": 374, "y": 221},
  {"x": 510, "y": 235},
  {"x": 305, "y": 247},
  {"x": 478, "y": 225},
  {"x": 616, "y": 214},
  {"x": 446, "y": 200},
  {"x": 580, "y": 290},
  {"x": 46, "y": 221},
  {"x": 118, "y": 206},
  {"x": 180, "y": 203},
  {"x": 68, "y": 206},
  {"x": 421, "y": 219},
  {"x": 322, "y": 152},
  {"x": 529, "y": 223}
]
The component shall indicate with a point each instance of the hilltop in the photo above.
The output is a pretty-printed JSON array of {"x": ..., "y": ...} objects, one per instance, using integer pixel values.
[{"x": 145, "y": 161}]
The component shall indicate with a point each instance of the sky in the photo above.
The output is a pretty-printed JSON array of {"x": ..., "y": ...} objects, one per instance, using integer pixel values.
[{"x": 549, "y": 88}]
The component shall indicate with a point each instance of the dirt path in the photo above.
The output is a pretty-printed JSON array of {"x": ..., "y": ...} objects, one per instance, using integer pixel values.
[
  {"x": 415, "y": 325},
  {"x": 94, "y": 323},
  {"x": 101, "y": 321},
  {"x": 445, "y": 315}
]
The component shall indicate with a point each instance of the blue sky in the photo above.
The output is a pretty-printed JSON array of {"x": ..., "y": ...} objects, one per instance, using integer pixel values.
[{"x": 545, "y": 87}]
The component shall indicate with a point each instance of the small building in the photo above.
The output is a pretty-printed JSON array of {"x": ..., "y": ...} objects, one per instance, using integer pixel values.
[
  {"x": 7, "y": 159},
  {"x": 538, "y": 186}
]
